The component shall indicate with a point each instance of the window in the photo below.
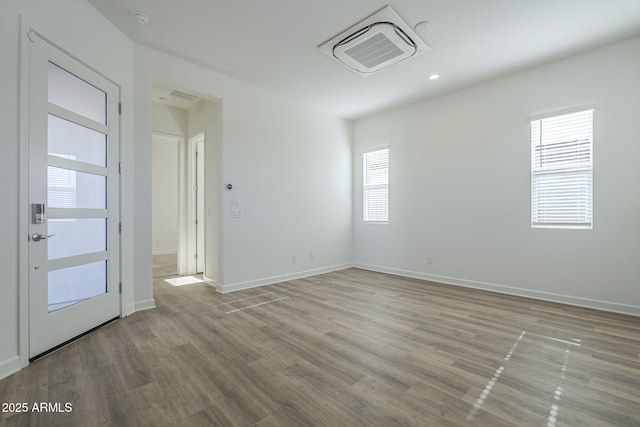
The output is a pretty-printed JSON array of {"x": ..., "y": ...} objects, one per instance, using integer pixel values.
[
  {"x": 561, "y": 170},
  {"x": 375, "y": 189}
]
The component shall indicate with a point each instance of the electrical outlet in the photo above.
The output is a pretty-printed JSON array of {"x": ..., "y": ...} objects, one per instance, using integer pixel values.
[
  {"x": 429, "y": 260},
  {"x": 294, "y": 259},
  {"x": 312, "y": 256}
]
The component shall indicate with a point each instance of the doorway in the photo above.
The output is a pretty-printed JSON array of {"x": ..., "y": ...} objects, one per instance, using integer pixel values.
[
  {"x": 74, "y": 195},
  {"x": 198, "y": 122},
  {"x": 178, "y": 205}
]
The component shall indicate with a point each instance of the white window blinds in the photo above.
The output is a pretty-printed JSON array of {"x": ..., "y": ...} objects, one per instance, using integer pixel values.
[
  {"x": 61, "y": 185},
  {"x": 375, "y": 194},
  {"x": 561, "y": 170}
]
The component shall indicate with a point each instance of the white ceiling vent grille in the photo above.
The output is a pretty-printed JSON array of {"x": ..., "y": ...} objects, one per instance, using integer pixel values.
[
  {"x": 381, "y": 40},
  {"x": 182, "y": 95}
]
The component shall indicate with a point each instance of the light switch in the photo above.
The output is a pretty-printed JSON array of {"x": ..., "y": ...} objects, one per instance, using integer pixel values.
[{"x": 236, "y": 213}]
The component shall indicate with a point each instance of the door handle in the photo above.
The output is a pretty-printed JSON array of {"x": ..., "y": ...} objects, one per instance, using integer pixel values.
[{"x": 36, "y": 237}]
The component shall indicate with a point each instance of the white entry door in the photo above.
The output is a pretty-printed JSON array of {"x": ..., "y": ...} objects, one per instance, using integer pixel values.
[{"x": 74, "y": 241}]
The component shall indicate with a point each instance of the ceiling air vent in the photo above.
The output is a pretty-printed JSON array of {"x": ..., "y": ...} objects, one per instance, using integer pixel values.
[
  {"x": 381, "y": 40},
  {"x": 184, "y": 96}
]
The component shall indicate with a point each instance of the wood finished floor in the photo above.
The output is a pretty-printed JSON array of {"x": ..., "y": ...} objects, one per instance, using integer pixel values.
[
  {"x": 165, "y": 265},
  {"x": 350, "y": 348}
]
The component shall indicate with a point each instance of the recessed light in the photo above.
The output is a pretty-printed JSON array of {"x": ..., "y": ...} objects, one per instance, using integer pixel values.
[
  {"x": 140, "y": 17},
  {"x": 434, "y": 76}
]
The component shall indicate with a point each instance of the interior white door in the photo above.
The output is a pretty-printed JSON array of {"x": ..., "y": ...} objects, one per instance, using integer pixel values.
[{"x": 74, "y": 259}]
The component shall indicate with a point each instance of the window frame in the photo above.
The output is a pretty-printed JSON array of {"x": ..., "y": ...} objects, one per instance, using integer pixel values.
[
  {"x": 375, "y": 215},
  {"x": 579, "y": 169}
]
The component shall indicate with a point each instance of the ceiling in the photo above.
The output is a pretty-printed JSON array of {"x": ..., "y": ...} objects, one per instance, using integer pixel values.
[{"x": 273, "y": 44}]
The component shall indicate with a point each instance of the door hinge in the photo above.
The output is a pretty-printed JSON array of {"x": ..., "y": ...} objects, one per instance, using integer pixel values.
[
  {"x": 120, "y": 167},
  {"x": 196, "y": 154},
  {"x": 120, "y": 287},
  {"x": 196, "y": 256},
  {"x": 196, "y": 222},
  {"x": 120, "y": 227},
  {"x": 119, "y": 107}
]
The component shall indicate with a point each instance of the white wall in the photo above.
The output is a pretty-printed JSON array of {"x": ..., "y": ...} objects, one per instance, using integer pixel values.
[
  {"x": 141, "y": 187},
  {"x": 164, "y": 185},
  {"x": 169, "y": 120},
  {"x": 80, "y": 29},
  {"x": 460, "y": 186},
  {"x": 9, "y": 46},
  {"x": 290, "y": 167}
]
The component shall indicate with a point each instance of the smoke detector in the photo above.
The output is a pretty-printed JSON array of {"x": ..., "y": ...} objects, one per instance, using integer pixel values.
[
  {"x": 140, "y": 17},
  {"x": 377, "y": 42}
]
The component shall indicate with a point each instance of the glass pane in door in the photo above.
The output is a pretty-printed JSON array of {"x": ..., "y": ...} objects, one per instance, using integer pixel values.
[
  {"x": 68, "y": 286},
  {"x": 72, "y": 189},
  {"x": 74, "y": 94},
  {"x": 70, "y": 140},
  {"x": 76, "y": 236}
]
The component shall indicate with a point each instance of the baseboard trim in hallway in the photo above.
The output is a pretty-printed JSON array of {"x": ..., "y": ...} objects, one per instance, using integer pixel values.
[
  {"x": 250, "y": 284},
  {"x": 9, "y": 367}
]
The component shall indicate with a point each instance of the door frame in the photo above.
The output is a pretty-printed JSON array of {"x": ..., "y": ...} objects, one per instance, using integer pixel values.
[
  {"x": 28, "y": 34},
  {"x": 195, "y": 210}
]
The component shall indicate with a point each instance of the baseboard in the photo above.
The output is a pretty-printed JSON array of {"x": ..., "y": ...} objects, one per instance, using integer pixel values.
[
  {"x": 213, "y": 283},
  {"x": 222, "y": 288},
  {"x": 129, "y": 310},
  {"x": 145, "y": 305},
  {"x": 9, "y": 367},
  {"x": 508, "y": 290}
]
